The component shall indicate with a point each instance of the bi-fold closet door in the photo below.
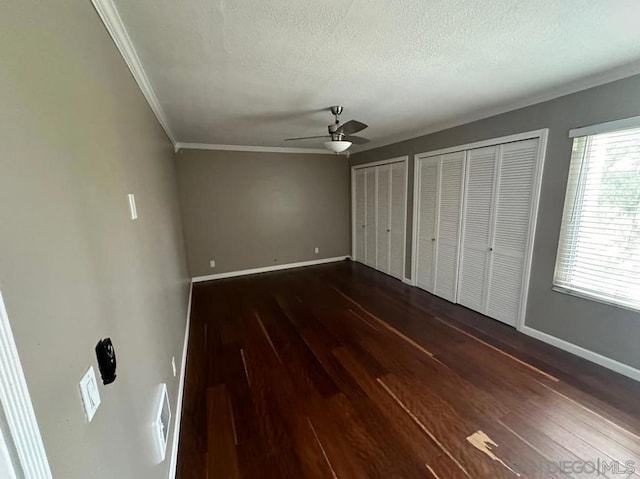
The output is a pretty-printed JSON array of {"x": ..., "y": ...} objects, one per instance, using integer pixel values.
[
  {"x": 483, "y": 264},
  {"x": 500, "y": 293},
  {"x": 379, "y": 199},
  {"x": 438, "y": 222}
]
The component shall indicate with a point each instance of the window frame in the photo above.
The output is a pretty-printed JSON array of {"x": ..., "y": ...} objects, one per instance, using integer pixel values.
[{"x": 573, "y": 192}]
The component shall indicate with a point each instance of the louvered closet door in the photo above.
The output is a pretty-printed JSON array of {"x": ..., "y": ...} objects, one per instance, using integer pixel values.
[
  {"x": 370, "y": 225},
  {"x": 429, "y": 171},
  {"x": 448, "y": 237},
  {"x": 384, "y": 217},
  {"x": 398, "y": 216},
  {"x": 517, "y": 168},
  {"x": 476, "y": 230},
  {"x": 360, "y": 215}
]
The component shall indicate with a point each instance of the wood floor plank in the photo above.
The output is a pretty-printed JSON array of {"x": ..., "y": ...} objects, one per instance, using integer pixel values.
[
  {"x": 348, "y": 386},
  {"x": 611, "y": 439},
  {"x": 558, "y": 455},
  {"x": 222, "y": 459},
  {"x": 297, "y": 359},
  {"x": 338, "y": 372},
  {"x": 444, "y": 381},
  {"x": 517, "y": 454},
  {"x": 409, "y": 434},
  {"x": 444, "y": 426}
]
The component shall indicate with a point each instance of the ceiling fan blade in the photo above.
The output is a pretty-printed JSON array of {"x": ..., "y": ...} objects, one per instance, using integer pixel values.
[
  {"x": 307, "y": 138},
  {"x": 352, "y": 126},
  {"x": 357, "y": 140}
]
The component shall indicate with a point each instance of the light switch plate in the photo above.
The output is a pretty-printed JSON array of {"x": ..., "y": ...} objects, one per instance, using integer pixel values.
[
  {"x": 132, "y": 206},
  {"x": 90, "y": 393}
]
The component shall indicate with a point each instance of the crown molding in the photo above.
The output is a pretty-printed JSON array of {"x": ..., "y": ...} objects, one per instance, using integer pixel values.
[
  {"x": 576, "y": 86},
  {"x": 257, "y": 149},
  {"x": 113, "y": 22}
]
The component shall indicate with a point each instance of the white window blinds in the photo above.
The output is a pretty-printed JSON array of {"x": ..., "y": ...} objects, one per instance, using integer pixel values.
[{"x": 599, "y": 250}]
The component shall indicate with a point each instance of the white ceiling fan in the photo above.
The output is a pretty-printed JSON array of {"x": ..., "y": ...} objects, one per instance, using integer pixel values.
[{"x": 341, "y": 135}]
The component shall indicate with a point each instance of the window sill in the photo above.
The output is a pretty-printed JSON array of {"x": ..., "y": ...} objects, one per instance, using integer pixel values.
[{"x": 591, "y": 297}]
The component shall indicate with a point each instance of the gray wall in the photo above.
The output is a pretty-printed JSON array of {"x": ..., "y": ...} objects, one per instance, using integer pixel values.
[
  {"x": 249, "y": 210},
  {"x": 77, "y": 136},
  {"x": 607, "y": 330}
]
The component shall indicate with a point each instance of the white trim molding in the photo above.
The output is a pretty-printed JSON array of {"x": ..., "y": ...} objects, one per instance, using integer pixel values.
[
  {"x": 16, "y": 403},
  {"x": 266, "y": 269},
  {"x": 255, "y": 149},
  {"x": 623, "y": 124},
  {"x": 584, "y": 353},
  {"x": 109, "y": 15},
  {"x": 381, "y": 162},
  {"x": 183, "y": 369},
  {"x": 483, "y": 143}
]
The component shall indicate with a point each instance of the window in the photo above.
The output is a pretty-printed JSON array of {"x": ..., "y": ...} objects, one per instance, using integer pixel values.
[{"x": 599, "y": 249}]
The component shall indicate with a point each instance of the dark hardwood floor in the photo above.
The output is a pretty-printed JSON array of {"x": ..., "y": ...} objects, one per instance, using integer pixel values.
[{"x": 338, "y": 371}]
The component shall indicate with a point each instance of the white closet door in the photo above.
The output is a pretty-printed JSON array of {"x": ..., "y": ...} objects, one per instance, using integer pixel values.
[
  {"x": 517, "y": 168},
  {"x": 428, "y": 181},
  {"x": 449, "y": 214},
  {"x": 398, "y": 217},
  {"x": 360, "y": 215},
  {"x": 384, "y": 217},
  {"x": 476, "y": 230},
  {"x": 370, "y": 225}
]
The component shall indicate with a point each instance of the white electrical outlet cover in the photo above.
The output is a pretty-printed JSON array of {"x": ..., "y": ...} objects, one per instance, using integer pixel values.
[
  {"x": 212, "y": 263},
  {"x": 90, "y": 393}
]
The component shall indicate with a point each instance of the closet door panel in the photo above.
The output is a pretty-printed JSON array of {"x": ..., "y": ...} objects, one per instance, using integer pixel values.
[
  {"x": 384, "y": 217},
  {"x": 514, "y": 196},
  {"x": 360, "y": 215},
  {"x": 476, "y": 231},
  {"x": 398, "y": 216},
  {"x": 427, "y": 217},
  {"x": 370, "y": 228},
  {"x": 448, "y": 237}
]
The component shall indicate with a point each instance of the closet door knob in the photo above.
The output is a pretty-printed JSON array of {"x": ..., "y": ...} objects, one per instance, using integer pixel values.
[
  {"x": 433, "y": 239},
  {"x": 490, "y": 249},
  {"x": 388, "y": 231}
]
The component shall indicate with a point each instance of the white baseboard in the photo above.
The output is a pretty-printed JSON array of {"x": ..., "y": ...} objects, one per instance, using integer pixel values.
[
  {"x": 408, "y": 281},
  {"x": 183, "y": 368},
  {"x": 604, "y": 361},
  {"x": 244, "y": 272}
]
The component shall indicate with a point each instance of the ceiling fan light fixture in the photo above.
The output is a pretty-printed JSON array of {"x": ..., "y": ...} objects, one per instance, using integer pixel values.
[{"x": 337, "y": 146}]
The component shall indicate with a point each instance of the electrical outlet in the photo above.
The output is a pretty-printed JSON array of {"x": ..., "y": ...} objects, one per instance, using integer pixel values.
[
  {"x": 173, "y": 366},
  {"x": 317, "y": 250},
  {"x": 212, "y": 263}
]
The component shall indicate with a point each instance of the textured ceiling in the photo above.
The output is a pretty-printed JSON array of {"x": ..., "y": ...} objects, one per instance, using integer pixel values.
[{"x": 256, "y": 72}]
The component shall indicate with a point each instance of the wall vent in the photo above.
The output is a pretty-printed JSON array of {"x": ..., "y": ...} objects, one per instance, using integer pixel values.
[{"x": 162, "y": 422}]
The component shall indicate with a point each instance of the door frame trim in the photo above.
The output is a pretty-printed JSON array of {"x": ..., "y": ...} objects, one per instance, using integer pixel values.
[
  {"x": 398, "y": 159},
  {"x": 16, "y": 401},
  {"x": 527, "y": 135},
  {"x": 542, "y": 135}
]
